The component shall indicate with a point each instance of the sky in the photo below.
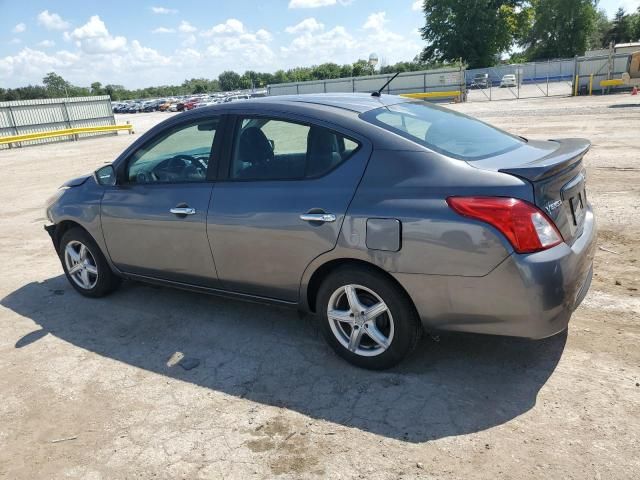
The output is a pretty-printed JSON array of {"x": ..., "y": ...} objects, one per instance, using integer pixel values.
[{"x": 138, "y": 43}]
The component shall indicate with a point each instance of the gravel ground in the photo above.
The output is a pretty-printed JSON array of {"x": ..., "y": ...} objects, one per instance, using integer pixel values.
[{"x": 97, "y": 389}]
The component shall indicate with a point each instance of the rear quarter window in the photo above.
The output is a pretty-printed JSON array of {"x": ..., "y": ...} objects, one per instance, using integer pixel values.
[{"x": 450, "y": 133}]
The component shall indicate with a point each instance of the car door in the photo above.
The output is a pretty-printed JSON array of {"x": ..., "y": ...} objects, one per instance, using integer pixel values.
[
  {"x": 154, "y": 220},
  {"x": 281, "y": 201}
]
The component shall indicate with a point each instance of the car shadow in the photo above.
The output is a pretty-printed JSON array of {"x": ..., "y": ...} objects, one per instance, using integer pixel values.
[{"x": 271, "y": 355}]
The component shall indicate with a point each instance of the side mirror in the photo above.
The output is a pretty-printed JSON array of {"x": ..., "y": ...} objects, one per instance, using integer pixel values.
[
  {"x": 273, "y": 145},
  {"x": 106, "y": 176}
]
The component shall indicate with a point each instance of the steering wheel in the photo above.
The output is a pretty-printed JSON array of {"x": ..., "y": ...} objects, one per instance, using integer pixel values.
[{"x": 182, "y": 166}]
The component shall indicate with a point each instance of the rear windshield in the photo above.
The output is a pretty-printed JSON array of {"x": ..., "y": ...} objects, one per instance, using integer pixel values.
[{"x": 445, "y": 131}]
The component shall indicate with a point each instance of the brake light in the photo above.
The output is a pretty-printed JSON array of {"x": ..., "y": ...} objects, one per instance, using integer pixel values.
[{"x": 526, "y": 227}]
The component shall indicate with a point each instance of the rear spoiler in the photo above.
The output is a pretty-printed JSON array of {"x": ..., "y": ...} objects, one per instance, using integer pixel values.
[{"x": 569, "y": 152}]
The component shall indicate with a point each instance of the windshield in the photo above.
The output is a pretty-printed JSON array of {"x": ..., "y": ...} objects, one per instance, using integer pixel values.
[{"x": 445, "y": 131}]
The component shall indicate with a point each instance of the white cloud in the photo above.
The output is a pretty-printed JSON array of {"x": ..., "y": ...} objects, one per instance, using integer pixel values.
[
  {"x": 15, "y": 41},
  {"x": 93, "y": 37},
  {"x": 163, "y": 30},
  {"x": 163, "y": 10},
  {"x": 46, "y": 44},
  {"x": 189, "y": 41},
  {"x": 231, "y": 26},
  {"x": 316, "y": 3},
  {"x": 375, "y": 21},
  {"x": 335, "y": 45},
  {"x": 93, "y": 52},
  {"x": 19, "y": 28},
  {"x": 186, "y": 27},
  {"x": 417, "y": 5},
  {"x": 306, "y": 25},
  {"x": 52, "y": 21}
]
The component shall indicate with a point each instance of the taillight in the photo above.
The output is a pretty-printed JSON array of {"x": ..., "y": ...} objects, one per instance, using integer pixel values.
[{"x": 526, "y": 227}]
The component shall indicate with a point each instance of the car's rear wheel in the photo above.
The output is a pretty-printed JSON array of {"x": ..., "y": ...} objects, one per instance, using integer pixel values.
[
  {"x": 85, "y": 266},
  {"x": 366, "y": 318}
]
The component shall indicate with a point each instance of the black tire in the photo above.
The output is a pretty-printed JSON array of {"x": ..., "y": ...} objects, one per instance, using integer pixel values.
[
  {"x": 105, "y": 281},
  {"x": 407, "y": 327}
]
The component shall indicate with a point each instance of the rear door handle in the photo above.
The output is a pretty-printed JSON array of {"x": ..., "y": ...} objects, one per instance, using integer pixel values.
[
  {"x": 318, "y": 217},
  {"x": 183, "y": 211}
]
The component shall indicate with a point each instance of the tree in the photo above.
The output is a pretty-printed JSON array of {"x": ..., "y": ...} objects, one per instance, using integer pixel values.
[
  {"x": 474, "y": 31},
  {"x": 229, "y": 81},
  {"x": 621, "y": 30},
  {"x": 361, "y": 68},
  {"x": 598, "y": 37},
  {"x": 96, "y": 88},
  {"x": 559, "y": 28},
  {"x": 56, "y": 85},
  {"x": 635, "y": 25}
]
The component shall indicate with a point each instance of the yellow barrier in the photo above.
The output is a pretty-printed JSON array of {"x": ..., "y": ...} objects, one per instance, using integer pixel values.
[
  {"x": 448, "y": 94},
  {"x": 616, "y": 82},
  {"x": 63, "y": 133}
]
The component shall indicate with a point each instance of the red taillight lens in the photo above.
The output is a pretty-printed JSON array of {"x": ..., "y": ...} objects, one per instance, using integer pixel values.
[{"x": 525, "y": 226}]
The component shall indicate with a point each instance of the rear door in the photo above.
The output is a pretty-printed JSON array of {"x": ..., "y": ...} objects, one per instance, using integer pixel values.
[{"x": 280, "y": 201}]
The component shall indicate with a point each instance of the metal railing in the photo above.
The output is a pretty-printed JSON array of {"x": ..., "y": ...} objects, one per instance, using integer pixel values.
[
  {"x": 72, "y": 133},
  {"x": 46, "y": 115}
]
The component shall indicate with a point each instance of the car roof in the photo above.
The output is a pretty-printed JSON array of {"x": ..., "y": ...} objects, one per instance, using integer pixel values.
[{"x": 355, "y": 102}]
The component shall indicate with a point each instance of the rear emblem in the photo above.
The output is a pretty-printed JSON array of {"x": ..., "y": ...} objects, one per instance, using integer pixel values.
[{"x": 553, "y": 206}]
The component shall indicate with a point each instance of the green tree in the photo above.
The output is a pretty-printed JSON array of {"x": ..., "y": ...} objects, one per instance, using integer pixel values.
[
  {"x": 559, "y": 28},
  {"x": 474, "y": 31},
  {"x": 56, "y": 85},
  {"x": 598, "y": 37},
  {"x": 361, "y": 68},
  {"x": 635, "y": 25},
  {"x": 621, "y": 30},
  {"x": 229, "y": 80},
  {"x": 96, "y": 88}
]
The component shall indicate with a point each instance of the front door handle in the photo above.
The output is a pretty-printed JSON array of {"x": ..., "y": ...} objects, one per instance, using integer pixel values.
[
  {"x": 183, "y": 211},
  {"x": 318, "y": 217}
]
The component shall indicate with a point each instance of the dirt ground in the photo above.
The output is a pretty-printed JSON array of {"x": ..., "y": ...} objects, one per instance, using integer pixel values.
[{"x": 90, "y": 389}]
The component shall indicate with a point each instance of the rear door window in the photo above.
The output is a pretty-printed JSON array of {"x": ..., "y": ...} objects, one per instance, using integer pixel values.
[
  {"x": 445, "y": 131},
  {"x": 278, "y": 149}
]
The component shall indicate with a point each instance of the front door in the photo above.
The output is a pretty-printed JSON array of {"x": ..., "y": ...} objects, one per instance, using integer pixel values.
[
  {"x": 282, "y": 203},
  {"x": 154, "y": 221}
]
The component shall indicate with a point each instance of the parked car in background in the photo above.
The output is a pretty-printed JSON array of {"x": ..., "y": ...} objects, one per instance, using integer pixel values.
[
  {"x": 233, "y": 98},
  {"x": 480, "y": 80},
  {"x": 384, "y": 216},
  {"x": 508, "y": 80}
]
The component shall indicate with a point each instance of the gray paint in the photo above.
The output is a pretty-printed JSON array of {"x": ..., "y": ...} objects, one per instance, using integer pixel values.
[
  {"x": 383, "y": 234},
  {"x": 389, "y": 200}
]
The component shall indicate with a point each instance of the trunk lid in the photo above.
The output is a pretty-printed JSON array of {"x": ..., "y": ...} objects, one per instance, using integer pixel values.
[{"x": 556, "y": 171}]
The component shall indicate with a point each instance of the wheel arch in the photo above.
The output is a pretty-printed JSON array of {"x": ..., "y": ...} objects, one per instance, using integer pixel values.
[
  {"x": 63, "y": 227},
  {"x": 324, "y": 270}
]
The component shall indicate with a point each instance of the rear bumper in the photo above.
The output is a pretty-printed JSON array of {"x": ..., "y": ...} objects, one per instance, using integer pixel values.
[{"x": 529, "y": 295}]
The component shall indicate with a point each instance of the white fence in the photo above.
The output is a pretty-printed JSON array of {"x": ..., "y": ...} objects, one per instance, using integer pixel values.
[
  {"x": 446, "y": 79},
  {"x": 43, "y": 115},
  {"x": 533, "y": 79}
]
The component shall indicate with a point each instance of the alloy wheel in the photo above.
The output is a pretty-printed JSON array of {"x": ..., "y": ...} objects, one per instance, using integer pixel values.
[
  {"x": 360, "y": 320},
  {"x": 81, "y": 265}
]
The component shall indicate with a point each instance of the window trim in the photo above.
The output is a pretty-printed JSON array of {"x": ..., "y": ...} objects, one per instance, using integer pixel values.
[
  {"x": 235, "y": 123},
  {"x": 216, "y": 148}
]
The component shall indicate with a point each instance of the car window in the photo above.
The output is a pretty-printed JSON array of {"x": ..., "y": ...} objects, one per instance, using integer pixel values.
[
  {"x": 444, "y": 131},
  {"x": 274, "y": 149},
  {"x": 181, "y": 155}
]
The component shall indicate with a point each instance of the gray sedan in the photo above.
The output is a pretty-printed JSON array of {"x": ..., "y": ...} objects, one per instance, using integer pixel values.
[{"x": 382, "y": 215}]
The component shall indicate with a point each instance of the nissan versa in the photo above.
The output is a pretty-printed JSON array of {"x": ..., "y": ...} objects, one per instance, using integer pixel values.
[{"x": 383, "y": 215}]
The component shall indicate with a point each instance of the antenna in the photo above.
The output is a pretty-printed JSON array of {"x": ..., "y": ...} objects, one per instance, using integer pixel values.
[{"x": 379, "y": 92}]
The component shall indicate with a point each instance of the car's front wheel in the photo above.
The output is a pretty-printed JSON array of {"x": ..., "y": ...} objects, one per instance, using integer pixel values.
[
  {"x": 366, "y": 318},
  {"x": 85, "y": 266}
]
